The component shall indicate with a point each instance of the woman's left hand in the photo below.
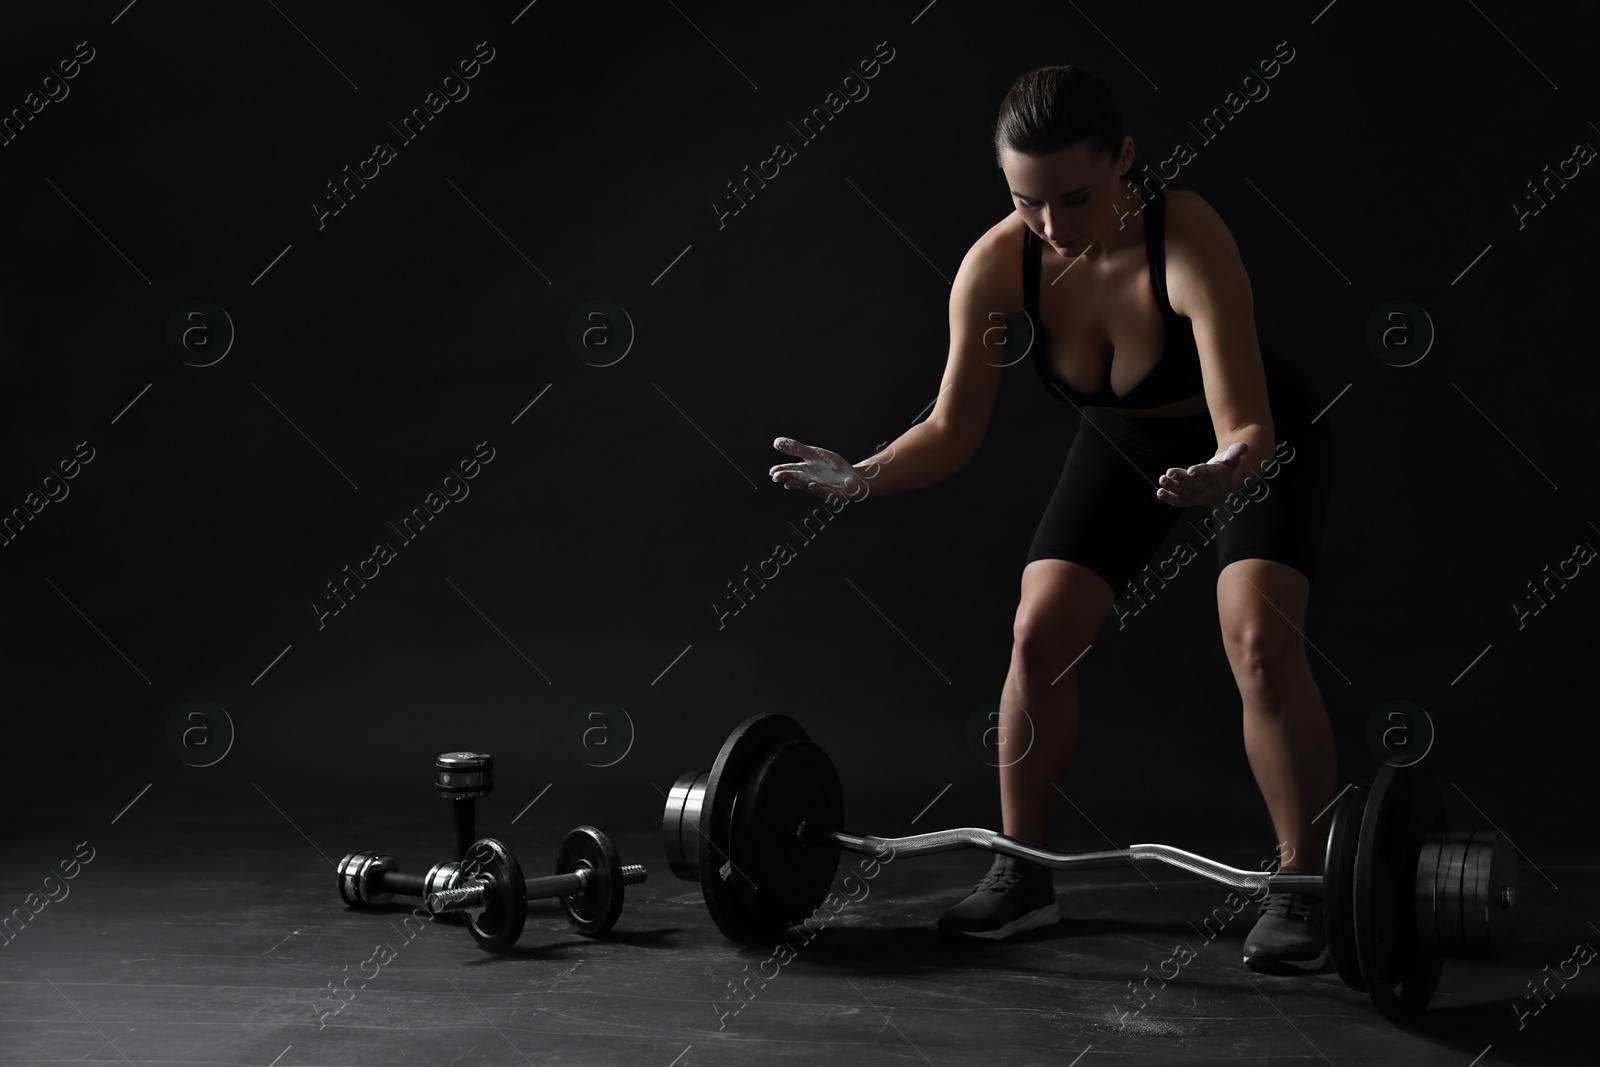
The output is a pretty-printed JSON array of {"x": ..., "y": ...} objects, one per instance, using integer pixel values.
[{"x": 1204, "y": 484}]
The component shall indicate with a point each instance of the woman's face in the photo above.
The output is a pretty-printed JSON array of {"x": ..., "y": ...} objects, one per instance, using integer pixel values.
[{"x": 1072, "y": 198}]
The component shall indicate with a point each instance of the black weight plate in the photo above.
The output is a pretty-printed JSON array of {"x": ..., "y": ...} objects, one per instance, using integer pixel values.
[
  {"x": 595, "y": 910},
  {"x": 1398, "y": 970},
  {"x": 796, "y": 783},
  {"x": 720, "y": 875},
  {"x": 505, "y": 906},
  {"x": 1338, "y": 873},
  {"x": 1430, "y": 886},
  {"x": 1430, "y": 867},
  {"x": 1475, "y": 891},
  {"x": 1498, "y": 931},
  {"x": 1451, "y": 884}
]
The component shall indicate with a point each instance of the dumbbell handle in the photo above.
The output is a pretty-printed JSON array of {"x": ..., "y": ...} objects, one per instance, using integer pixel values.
[
  {"x": 462, "y": 814},
  {"x": 469, "y": 897},
  {"x": 975, "y": 837},
  {"x": 565, "y": 885},
  {"x": 411, "y": 885}
]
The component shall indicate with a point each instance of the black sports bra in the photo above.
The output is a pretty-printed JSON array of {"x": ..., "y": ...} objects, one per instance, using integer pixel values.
[{"x": 1176, "y": 375}]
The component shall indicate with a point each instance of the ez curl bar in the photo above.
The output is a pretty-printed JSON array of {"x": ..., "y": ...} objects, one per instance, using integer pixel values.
[{"x": 1401, "y": 891}]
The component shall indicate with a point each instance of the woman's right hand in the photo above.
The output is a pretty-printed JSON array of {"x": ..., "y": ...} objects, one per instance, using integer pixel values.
[{"x": 820, "y": 471}]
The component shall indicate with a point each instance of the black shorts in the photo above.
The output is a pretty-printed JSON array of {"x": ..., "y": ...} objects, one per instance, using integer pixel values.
[{"x": 1105, "y": 516}]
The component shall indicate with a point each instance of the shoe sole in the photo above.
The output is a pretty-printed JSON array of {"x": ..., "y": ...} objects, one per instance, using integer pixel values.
[
  {"x": 1270, "y": 965},
  {"x": 1045, "y": 916}
]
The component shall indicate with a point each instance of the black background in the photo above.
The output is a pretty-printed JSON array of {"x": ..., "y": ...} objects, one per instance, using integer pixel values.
[{"x": 413, "y": 325}]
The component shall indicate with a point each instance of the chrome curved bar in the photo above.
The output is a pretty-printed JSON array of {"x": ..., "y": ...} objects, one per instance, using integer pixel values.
[{"x": 976, "y": 837}]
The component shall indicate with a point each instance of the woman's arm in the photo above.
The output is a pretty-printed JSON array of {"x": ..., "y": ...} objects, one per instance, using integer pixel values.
[
  {"x": 1206, "y": 276},
  {"x": 981, "y": 300}
]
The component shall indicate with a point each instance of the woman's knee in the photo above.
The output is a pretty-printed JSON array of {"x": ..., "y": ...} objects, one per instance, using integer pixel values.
[
  {"x": 1262, "y": 650},
  {"x": 1261, "y": 604},
  {"x": 1062, "y": 607}
]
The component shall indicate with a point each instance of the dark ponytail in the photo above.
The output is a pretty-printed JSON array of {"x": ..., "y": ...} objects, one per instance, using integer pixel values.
[{"x": 1052, "y": 107}]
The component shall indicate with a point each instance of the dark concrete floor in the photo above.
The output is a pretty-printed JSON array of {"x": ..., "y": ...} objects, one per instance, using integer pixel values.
[{"x": 202, "y": 944}]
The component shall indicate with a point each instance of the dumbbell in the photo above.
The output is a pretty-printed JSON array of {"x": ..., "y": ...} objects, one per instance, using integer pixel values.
[
  {"x": 588, "y": 880},
  {"x": 1401, "y": 890},
  {"x": 371, "y": 879},
  {"x": 462, "y": 777}
]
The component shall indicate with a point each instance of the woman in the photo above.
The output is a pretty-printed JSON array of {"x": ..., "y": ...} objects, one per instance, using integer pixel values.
[{"x": 1147, "y": 328}]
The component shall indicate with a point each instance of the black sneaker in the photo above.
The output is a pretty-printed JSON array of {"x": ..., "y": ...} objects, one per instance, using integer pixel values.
[
  {"x": 1014, "y": 896},
  {"x": 1287, "y": 938}
]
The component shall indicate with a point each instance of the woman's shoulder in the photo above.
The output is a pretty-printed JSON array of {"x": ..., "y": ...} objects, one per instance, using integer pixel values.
[
  {"x": 1192, "y": 221},
  {"x": 1185, "y": 205},
  {"x": 1000, "y": 246},
  {"x": 993, "y": 263}
]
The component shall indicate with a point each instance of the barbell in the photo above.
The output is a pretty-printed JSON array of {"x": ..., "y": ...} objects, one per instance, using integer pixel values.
[{"x": 1401, "y": 891}]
